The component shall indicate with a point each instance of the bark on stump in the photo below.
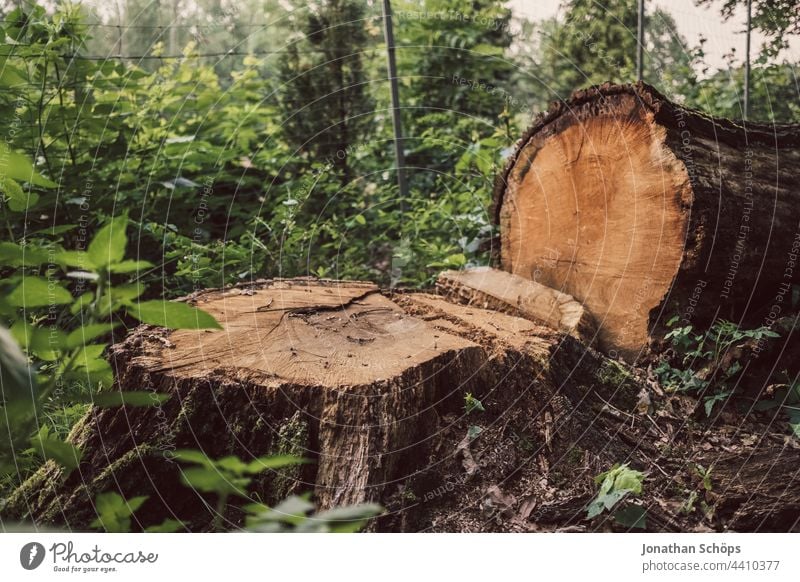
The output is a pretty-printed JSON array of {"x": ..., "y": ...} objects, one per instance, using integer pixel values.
[{"x": 642, "y": 209}]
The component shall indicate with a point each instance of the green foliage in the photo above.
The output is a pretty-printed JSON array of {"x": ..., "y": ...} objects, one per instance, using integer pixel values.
[
  {"x": 773, "y": 93},
  {"x": 58, "y": 332},
  {"x": 705, "y": 476},
  {"x": 57, "y": 316},
  {"x": 615, "y": 485},
  {"x": 227, "y": 476},
  {"x": 596, "y": 42},
  {"x": 52, "y": 447},
  {"x": 786, "y": 397},
  {"x": 114, "y": 512},
  {"x": 699, "y": 364},
  {"x": 294, "y": 514},
  {"x": 472, "y": 404},
  {"x": 324, "y": 97},
  {"x": 231, "y": 476},
  {"x": 776, "y": 19}
]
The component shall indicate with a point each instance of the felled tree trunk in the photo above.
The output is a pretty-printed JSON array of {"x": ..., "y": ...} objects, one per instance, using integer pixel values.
[
  {"x": 642, "y": 210},
  {"x": 374, "y": 390}
]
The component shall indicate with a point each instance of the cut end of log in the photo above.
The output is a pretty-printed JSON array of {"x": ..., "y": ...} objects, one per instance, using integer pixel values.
[
  {"x": 502, "y": 291},
  {"x": 597, "y": 207},
  {"x": 630, "y": 203},
  {"x": 326, "y": 334}
]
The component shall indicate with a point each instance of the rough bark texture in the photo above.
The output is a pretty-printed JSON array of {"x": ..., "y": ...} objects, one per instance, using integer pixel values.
[
  {"x": 372, "y": 388},
  {"x": 642, "y": 209}
]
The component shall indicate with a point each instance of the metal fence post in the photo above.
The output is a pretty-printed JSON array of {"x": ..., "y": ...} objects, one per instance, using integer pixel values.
[
  {"x": 400, "y": 158},
  {"x": 746, "y": 111},
  {"x": 640, "y": 43}
]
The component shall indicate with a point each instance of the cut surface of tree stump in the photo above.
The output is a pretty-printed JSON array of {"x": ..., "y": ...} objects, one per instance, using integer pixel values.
[
  {"x": 373, "y": 389},
  {"x": 503, "y": 291},
  {"x": 641, "y": 210}
]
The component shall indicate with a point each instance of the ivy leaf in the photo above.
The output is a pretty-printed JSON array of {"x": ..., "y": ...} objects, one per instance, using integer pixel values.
[{"x": 172, "y": 315}]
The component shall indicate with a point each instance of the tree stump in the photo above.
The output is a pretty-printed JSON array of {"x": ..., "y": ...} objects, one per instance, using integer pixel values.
[
  {"x": 371, "y": 387},
  {"x": 641, "y": 210}
]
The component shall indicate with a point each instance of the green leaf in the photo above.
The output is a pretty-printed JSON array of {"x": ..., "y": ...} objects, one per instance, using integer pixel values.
[
  {"x": 273, "y": 462},
  {"x": 50, "y": 447},
  {"x": 233, "y": 464},
  {"x": 129, "y": 398},
  {"x": 77, "y": 259},
  {"x": 18, "y": 383},
  {"x": 38, "y": 292},
  {"x": 166, "y": 526},
  {"x": 126, "y": 293},
  {"x": 113, "y": 512},
  {"x": 346, "y": 519},
  {"x": 18, "y": 167},
  {"x": 631, "y": 516},
  {"x": 193, "y": 456},
  {"x": 474, "y": 432},
  {"x": 81, "y": 302},
  {"x": 89, "y": 356},
  {"x": 615, "y": 485},
  {"x": 172, "y": 315},
  {"x": 38, "y": 339},
  {"x": 10, "y": 76},
  {"x": 292, "y": 510},
  {"x": 14, "y": 255},
  {"x": 130, "y": 266},
  {"x": 209, "y": 480},
  {"x": 18, "y": 199},
  {"x": 108, "y": 245},
  {"x": 629, "y": 480},
  {"x": 86, "y": 333}
]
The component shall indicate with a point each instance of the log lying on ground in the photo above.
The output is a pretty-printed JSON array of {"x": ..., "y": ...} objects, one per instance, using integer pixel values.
[
  {"x": 502, "y": 291},
  {"x": 641, "y": 209},
  {"x": 372, "y": 388}
]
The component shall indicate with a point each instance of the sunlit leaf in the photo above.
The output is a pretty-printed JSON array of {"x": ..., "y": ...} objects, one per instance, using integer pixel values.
[{"x": 172, "y": 315}]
